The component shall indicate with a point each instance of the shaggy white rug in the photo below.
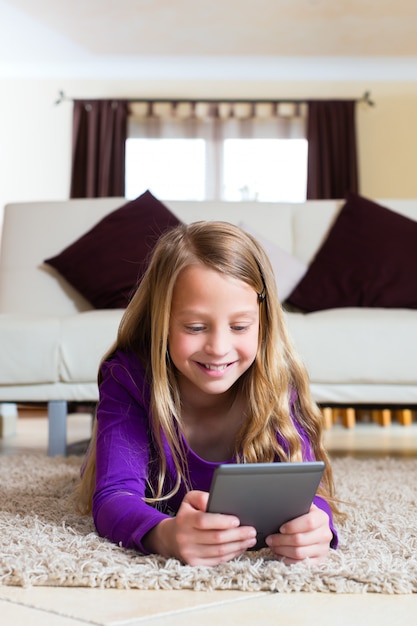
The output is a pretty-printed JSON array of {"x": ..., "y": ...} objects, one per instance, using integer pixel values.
[{"x": 44, "y": 542}]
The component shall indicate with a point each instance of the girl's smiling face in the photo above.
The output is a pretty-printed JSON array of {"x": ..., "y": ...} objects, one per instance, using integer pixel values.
[{"x": 214, "y": 328}]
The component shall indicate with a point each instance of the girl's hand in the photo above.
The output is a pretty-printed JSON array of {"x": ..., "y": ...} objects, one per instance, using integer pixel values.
[
  {"x": 308, "y": 536},
  {"x": 196, "y": 537}
]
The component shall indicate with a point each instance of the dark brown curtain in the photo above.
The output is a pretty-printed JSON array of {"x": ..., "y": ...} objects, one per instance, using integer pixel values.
[
  {"x": 98, "y": 148},
  {"x": 332, "y": 160}
]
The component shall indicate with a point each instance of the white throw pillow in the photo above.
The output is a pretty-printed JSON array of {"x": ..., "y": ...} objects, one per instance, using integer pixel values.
[{"x": 287, "y": 268}]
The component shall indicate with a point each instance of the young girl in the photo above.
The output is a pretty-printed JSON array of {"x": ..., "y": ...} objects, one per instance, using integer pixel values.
[{"x": 202, "y": 373}]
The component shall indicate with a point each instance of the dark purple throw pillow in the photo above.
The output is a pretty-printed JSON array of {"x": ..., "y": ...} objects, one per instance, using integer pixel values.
[
  {"x": 106, "y": 263},
  {"x": 368, "y": 259}
]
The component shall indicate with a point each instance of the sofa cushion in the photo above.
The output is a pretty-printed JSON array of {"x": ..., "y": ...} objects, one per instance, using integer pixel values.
[
  {"x": 30, "y": 350},
  {"x": 106, "y": 263},
  {"x": 357, "y": 346},
  {"x": 80, "y": 358},
  {"x": 287, "y": 268},
  {"x": 368, "y": 259}
]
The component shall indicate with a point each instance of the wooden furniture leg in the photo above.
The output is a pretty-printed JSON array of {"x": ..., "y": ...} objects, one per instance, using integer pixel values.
[
  {"x": 382, "y": 417},
  {"x": 328, "y": 417},
  {"x": 404, "y": 416},
  {"x": 348, "y": 417}
]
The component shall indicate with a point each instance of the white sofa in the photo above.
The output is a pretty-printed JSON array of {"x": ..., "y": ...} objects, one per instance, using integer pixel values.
[{"x": 52, "y": 340}]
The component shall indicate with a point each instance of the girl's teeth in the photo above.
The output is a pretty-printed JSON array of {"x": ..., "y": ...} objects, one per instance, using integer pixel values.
[{"x": 216, "y": 368}]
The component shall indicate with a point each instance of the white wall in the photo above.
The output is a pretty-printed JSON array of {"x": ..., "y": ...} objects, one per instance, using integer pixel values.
[
  {"x": 35, "y": 154},
  {"x": 35, "y": 135}
]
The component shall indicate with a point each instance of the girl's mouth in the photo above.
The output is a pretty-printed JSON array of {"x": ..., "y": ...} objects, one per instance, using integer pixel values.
[{"x": 215, "y": 368}]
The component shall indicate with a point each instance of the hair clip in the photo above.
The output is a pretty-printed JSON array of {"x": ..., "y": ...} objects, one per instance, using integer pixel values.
[{"x": 262, "y": 295}]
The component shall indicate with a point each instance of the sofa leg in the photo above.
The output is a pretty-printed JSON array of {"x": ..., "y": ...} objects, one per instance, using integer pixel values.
[
  {"x": 328, "y": 417},
  {"x": 382, "y": 417},
  {"x": 57, "y": 427},
  {"x": 8, "y": 419},
  {"x": 404, "y": 417},
  {"x": 348, "y": 417}
]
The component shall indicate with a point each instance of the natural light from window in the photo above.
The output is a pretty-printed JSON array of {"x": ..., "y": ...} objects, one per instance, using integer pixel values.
[
  {"x": 173, "y": 169},
  {"x": 268, "y": 170}
]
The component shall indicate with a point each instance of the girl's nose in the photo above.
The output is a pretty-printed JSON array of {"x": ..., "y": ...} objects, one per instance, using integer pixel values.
[{"x": 218, "y": 342}]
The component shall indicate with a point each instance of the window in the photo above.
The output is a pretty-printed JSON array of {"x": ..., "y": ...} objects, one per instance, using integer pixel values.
[
  {"x": 217, "y": 155},
  {"x": 173, "y": 169},
  {"x": 268, "y": 170}
]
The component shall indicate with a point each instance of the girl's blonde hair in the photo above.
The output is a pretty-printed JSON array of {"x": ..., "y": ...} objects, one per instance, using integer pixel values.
[{"x": 267, "y": 384}]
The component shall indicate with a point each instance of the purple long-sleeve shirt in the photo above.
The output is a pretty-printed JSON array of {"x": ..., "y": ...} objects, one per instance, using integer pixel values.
[{"x": 126, "y": 458}]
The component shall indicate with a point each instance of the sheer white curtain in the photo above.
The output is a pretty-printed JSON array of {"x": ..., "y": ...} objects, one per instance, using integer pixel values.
[{"x": 215, "y": 122}]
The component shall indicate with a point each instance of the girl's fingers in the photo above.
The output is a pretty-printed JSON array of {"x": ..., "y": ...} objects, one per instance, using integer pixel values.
[
  {"x": 295, "y": 553},
  {"x": 209, "y": 538},
  {"x": 307, "y": 537},
  {"x": 315, "y": 518},
  {"x": 215, "y": 553}
]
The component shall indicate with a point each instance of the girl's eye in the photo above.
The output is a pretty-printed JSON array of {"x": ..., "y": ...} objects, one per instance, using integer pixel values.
[
  {"x": 194, "y": 329},
  {"x": 199, "y": 328}
]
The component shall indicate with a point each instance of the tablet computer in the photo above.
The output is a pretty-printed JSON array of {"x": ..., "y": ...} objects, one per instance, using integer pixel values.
[{"x": 264, "y": 495}]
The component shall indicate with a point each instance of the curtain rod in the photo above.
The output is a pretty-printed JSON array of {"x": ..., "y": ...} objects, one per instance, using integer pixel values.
[{"x": 366, "y": 98}]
